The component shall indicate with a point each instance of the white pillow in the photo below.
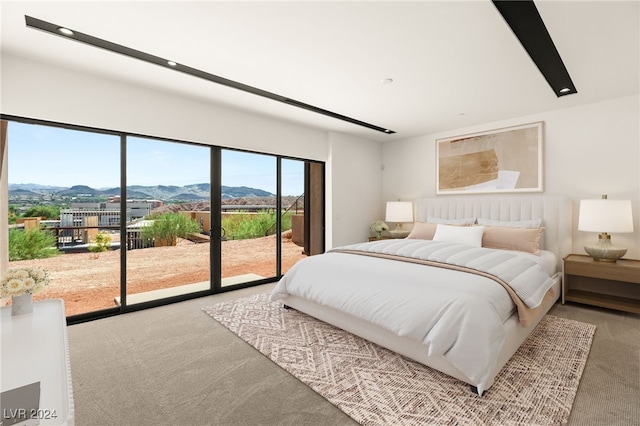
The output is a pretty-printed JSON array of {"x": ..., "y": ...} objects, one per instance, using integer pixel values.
[
  {"x": 465, "y": 221},
  {"x": 468, "y": 235}
]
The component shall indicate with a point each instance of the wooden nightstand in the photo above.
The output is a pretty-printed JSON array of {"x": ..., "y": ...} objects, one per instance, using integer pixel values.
[
  {"x": 605, "y": 284},
  {"x": 384, "y": 237}
]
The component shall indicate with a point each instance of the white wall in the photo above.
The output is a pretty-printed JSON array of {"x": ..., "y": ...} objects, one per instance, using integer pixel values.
[
  {"x": 353, "y": 189},
  {"x": 46, "y": 92},
  {"x": 588, "y": 151},
  {"x": 35, "y": 90}
]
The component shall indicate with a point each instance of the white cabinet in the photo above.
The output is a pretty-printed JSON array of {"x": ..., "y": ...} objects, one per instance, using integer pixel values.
[{"x": 34, "y": 349}]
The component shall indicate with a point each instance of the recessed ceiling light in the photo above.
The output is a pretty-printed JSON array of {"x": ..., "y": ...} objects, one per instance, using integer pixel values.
[
  {"x": 387, "y": 81},
  {"x": 171, "y": 63},
  {"x": 52, "y": 28},
  {"x": 527, "y": 25},
  {"x": 65, "y": 31}
]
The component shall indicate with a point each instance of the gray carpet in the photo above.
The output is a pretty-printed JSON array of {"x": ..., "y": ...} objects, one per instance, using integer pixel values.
[
  {"x": 376, "y": 386},
  {"x": 173, "y": 366}
]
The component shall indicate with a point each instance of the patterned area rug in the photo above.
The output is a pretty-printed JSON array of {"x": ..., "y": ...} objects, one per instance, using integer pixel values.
[{"x": 375, "y": 386}]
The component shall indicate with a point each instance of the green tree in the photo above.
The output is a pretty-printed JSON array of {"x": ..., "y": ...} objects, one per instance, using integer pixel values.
[
  {"x": 48, "y": 212},
  {"x": 31, "y": 244},
  {"x": 13, "y": 213}
]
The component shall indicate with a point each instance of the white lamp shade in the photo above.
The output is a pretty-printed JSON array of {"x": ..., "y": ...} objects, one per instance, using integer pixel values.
[
  {"x": 605, "y": 216},
  {"x": 399, "y": 211}
]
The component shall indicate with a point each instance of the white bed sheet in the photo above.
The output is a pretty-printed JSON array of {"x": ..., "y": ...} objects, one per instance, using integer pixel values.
[{"x": 546, "y": 259}]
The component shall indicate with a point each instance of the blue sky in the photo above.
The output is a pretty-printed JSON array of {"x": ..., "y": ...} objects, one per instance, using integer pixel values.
[{"x": 61, "y": 157}]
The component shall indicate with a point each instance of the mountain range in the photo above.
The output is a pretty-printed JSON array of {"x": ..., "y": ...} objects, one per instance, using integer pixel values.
[{"x": 198, "y": 191}]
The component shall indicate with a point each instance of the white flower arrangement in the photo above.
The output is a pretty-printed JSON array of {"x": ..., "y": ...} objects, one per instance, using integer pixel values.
[
  {"x": 19, "y": 281},
  {"x": 378, "y": 226}
]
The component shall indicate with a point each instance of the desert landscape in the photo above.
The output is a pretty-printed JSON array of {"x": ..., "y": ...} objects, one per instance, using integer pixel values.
[{"x": 89, "y": 282}]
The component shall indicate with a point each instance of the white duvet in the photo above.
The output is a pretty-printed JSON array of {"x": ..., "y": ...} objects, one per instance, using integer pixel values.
[{"x": 454, "y": 314}]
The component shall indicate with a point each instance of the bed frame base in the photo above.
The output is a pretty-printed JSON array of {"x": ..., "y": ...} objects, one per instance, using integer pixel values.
[{"x": 515, "y": 336}]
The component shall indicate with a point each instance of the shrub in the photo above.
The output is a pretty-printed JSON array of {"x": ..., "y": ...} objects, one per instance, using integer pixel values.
[
  {"x": 244, "y": 226},
  {"x": 102, "y": 243},
  {"x": 286, "y": 221},
  {"x": 31, "y": 244},
  {"x": 167, "y": 227}
]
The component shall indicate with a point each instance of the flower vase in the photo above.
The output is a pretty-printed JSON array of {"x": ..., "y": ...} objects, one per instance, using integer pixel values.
[
  {"x": 21, "y": 305},
  {"x": 378, "y": 235}
]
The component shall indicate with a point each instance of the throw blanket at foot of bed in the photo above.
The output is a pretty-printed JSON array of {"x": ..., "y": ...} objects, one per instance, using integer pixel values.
[{"x": 453, "y": 314}]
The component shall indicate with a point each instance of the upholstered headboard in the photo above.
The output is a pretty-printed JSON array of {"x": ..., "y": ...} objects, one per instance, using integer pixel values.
[{"x": 555, "y": 212}]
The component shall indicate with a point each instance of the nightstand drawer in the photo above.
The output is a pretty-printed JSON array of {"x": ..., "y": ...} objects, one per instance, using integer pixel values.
[{"x": 623, "y": 270}]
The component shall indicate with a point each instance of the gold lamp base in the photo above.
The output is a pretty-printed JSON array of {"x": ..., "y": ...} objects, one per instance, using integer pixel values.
[
  {"x": 604, "y": 251},
  {"x": 398, "y": 232}
]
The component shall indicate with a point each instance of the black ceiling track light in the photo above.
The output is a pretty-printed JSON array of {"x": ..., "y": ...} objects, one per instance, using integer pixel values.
[
  {"x": 526, "y": 23},
  {"x": 170, "y": 64}
]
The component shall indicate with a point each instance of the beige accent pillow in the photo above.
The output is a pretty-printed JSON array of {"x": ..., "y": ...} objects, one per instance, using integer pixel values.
[
  {"x": 506, "y": 238},
  {"x": 530, "y": 223},
  {"x": 422, "y": 231}
]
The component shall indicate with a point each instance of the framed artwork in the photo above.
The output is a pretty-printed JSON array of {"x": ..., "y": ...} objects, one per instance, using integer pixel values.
[{"x": 500, "y": 160}]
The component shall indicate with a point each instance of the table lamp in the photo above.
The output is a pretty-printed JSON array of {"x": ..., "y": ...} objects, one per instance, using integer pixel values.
[
  {"x": 399, "y": 212},
  {"x": 605, "y": 216}
]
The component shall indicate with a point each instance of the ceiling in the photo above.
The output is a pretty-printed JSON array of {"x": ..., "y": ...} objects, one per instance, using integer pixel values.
[{"x": 453, "y": 63}]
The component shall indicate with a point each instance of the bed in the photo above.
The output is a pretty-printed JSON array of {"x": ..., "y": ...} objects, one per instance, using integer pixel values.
[{"x": 443, "y": 297}]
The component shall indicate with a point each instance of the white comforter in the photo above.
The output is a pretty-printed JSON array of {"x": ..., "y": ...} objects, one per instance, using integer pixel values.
[{"x": 454, "y": 314}]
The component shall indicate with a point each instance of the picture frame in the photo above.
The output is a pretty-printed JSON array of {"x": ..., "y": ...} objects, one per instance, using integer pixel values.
[{"x": 508, "y": 159}]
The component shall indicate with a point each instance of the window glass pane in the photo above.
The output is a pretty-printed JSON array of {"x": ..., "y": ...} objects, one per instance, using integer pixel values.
[
  {"x": 292, "y": 172},
  {"x": 168, "y": 193},
  {"x": 248, "y": 217},
  {"x": 61, "y": 183}
]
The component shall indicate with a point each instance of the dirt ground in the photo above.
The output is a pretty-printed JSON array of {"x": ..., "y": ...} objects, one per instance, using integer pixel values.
[{"x": 88, "y": 282}]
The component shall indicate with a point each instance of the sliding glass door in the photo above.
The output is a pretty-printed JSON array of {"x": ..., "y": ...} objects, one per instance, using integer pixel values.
[
  {"x": 168, "y": 219},
  {"x": 123, "y": 221},
  {"x": 249, "y": 217},
  {"x": 263, "y": 216},
  {"x": 60, "y": 185}
]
